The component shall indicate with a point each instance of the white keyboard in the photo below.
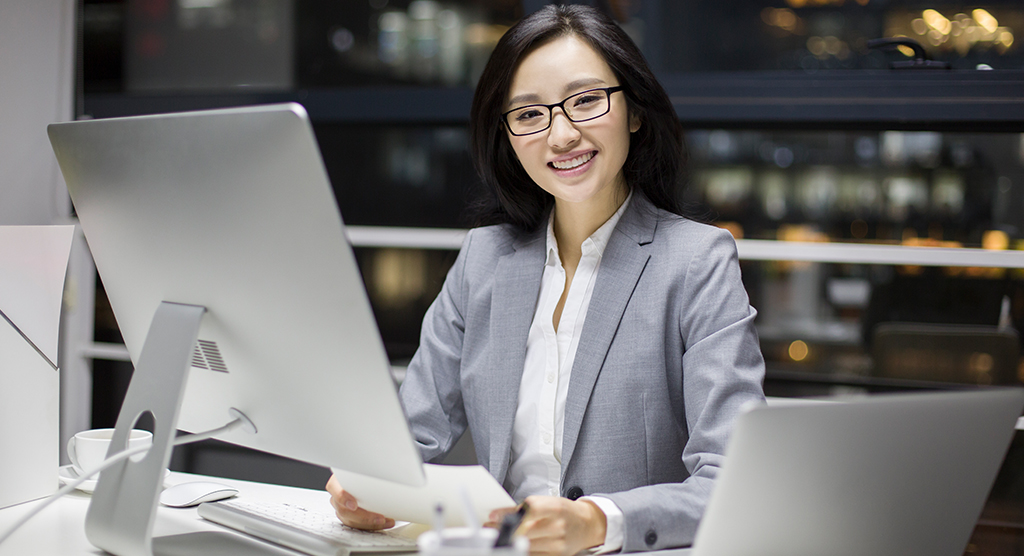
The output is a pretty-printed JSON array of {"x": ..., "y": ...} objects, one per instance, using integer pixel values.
[{"x": 315, "y": 532}]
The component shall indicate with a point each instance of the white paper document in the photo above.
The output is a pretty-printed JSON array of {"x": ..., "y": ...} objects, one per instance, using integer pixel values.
[
  {"x": 33, "y": 261},
  {"x": 417, "y": 504}
]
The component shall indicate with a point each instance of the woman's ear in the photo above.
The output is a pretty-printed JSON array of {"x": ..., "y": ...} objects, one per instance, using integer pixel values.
[{"x": 634, "y": 123}]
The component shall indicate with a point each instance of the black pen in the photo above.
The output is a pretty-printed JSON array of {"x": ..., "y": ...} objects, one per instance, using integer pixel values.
[{"x": 509, "y": 524}]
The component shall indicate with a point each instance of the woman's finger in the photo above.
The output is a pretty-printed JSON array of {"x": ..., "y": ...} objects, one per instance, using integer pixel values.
[
  {"x": 346, "y": 507},
  {"x": 363, "y": 519}
]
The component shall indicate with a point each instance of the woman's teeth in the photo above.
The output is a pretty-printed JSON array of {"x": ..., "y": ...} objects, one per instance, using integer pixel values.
[{"x": 572, "y": 163}]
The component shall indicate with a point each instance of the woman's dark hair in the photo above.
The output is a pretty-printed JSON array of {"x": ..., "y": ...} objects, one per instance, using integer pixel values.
[{"x": 656, "y": 156}]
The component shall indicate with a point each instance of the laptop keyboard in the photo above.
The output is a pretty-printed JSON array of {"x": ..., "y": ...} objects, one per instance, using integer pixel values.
[{"x": 310, "y": 531}]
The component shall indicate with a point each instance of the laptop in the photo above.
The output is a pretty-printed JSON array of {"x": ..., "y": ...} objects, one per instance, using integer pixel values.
[{"x": 898, "y": 475}]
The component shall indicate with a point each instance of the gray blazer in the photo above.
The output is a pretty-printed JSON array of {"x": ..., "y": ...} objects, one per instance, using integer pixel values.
[{"x": 667, "y": 357}]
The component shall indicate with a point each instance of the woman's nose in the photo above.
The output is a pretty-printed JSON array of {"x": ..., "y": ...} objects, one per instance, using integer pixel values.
[{"x": 563, "y": 133}]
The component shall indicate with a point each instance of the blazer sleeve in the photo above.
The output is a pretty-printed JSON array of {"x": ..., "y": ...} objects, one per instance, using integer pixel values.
[
  {"x": 722, "y": 371},
  {"x": 430, "y": 393}
]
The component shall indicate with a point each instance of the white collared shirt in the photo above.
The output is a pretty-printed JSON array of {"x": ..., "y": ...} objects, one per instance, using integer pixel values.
[{"x": 540, "y": 415}]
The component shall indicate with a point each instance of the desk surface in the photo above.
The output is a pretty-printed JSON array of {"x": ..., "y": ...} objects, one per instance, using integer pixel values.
[{"x": 60, "y": 528}]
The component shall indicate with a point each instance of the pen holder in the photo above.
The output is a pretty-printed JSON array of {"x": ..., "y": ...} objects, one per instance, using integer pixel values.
[{"x": 464, "y": 541}]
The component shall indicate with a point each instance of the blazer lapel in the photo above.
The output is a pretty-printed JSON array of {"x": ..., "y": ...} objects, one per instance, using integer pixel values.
[
  {"x": 622, "y": 264},
  {"x": 513, "y": 301}
]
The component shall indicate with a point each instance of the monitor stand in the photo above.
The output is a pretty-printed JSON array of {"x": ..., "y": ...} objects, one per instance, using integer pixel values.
[{"x": 123, "y": 508}]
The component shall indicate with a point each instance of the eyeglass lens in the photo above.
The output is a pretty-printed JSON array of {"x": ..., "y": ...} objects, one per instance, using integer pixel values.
[{"x": 578, "y": 108}]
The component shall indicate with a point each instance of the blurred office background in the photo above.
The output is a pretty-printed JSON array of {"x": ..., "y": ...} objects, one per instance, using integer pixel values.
[{"x": 831, "y": 166}]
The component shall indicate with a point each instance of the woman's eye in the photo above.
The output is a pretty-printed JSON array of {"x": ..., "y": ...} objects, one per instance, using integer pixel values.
[
  {"x": 527, "y": 115},
  {"x": 584, "y": 100}
]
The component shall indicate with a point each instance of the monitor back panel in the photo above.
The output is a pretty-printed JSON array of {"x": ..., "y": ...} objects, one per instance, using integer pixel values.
[{"x": 232, "y": 210}]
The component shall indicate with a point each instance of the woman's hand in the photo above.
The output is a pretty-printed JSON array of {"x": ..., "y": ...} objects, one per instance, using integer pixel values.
[
  {"x": 349, "y": 512},
  {"x": 558, "y": 526}
]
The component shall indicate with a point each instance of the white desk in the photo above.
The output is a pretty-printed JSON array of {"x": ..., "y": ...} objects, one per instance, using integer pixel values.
[{"x": 60, "y": 529}]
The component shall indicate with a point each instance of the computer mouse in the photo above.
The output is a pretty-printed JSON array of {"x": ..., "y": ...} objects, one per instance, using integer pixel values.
[{"x": 185, "y": 495}]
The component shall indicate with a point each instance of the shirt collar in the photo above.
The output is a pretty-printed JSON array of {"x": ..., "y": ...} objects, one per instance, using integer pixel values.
[{"x": 594, "y": 244}]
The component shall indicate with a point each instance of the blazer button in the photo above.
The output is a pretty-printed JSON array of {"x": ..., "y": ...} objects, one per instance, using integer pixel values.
[
  {"x": 574, "y": 493},
  {"x": 651, "y": 537}
]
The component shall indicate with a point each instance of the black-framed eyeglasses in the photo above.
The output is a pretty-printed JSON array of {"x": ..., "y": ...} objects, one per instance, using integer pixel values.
[{"x": 581, "y": 107}]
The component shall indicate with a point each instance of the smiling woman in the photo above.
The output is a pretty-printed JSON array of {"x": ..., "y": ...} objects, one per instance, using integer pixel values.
[
  {"x": 579, "y": 160},
  {"x": 655, "y": 156},
  {"x": 597, "y": 344}
]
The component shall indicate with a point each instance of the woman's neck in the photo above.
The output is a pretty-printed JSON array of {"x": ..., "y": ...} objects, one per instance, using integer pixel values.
[{"x": 575, "y": 222}]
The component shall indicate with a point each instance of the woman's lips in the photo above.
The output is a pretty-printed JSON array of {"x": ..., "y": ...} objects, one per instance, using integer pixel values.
[{"x": 575, "y": 165}]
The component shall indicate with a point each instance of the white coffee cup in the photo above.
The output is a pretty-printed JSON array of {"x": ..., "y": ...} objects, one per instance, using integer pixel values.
[{"x": 88, "y": 449}]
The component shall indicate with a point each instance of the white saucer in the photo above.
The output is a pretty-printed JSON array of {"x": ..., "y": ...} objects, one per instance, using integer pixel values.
[{"x": 67, "y": 475}]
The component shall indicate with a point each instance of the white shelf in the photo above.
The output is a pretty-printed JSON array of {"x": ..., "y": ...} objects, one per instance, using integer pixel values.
[
  {"x": 405, "y": 238},
  {"x": 768, "y": 250},
  {"x": 749, "y": 249}
]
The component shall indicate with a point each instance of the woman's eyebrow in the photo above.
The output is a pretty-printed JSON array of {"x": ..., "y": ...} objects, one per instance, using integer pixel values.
[
  {"x": 585, "y": 82},
  {"x": 524, "y": 98},
  {"x": 534, "y": 98}
]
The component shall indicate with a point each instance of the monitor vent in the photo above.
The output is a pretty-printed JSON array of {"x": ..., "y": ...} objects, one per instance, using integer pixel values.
[
  {"x": 206, "y": 355},
  {"x": 198, "y": 360}
]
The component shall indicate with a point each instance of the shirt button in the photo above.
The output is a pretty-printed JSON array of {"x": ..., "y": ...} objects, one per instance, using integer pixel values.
[
  {"x": 574, "y": 493},
  {"x": 546, "y": 437},
  {"x": 651, "y": 537},
  {"x": 551, "y": 378}
]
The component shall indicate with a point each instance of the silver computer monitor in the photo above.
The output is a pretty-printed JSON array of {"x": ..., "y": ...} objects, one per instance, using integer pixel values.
[{"x": 232, "y": 211}]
